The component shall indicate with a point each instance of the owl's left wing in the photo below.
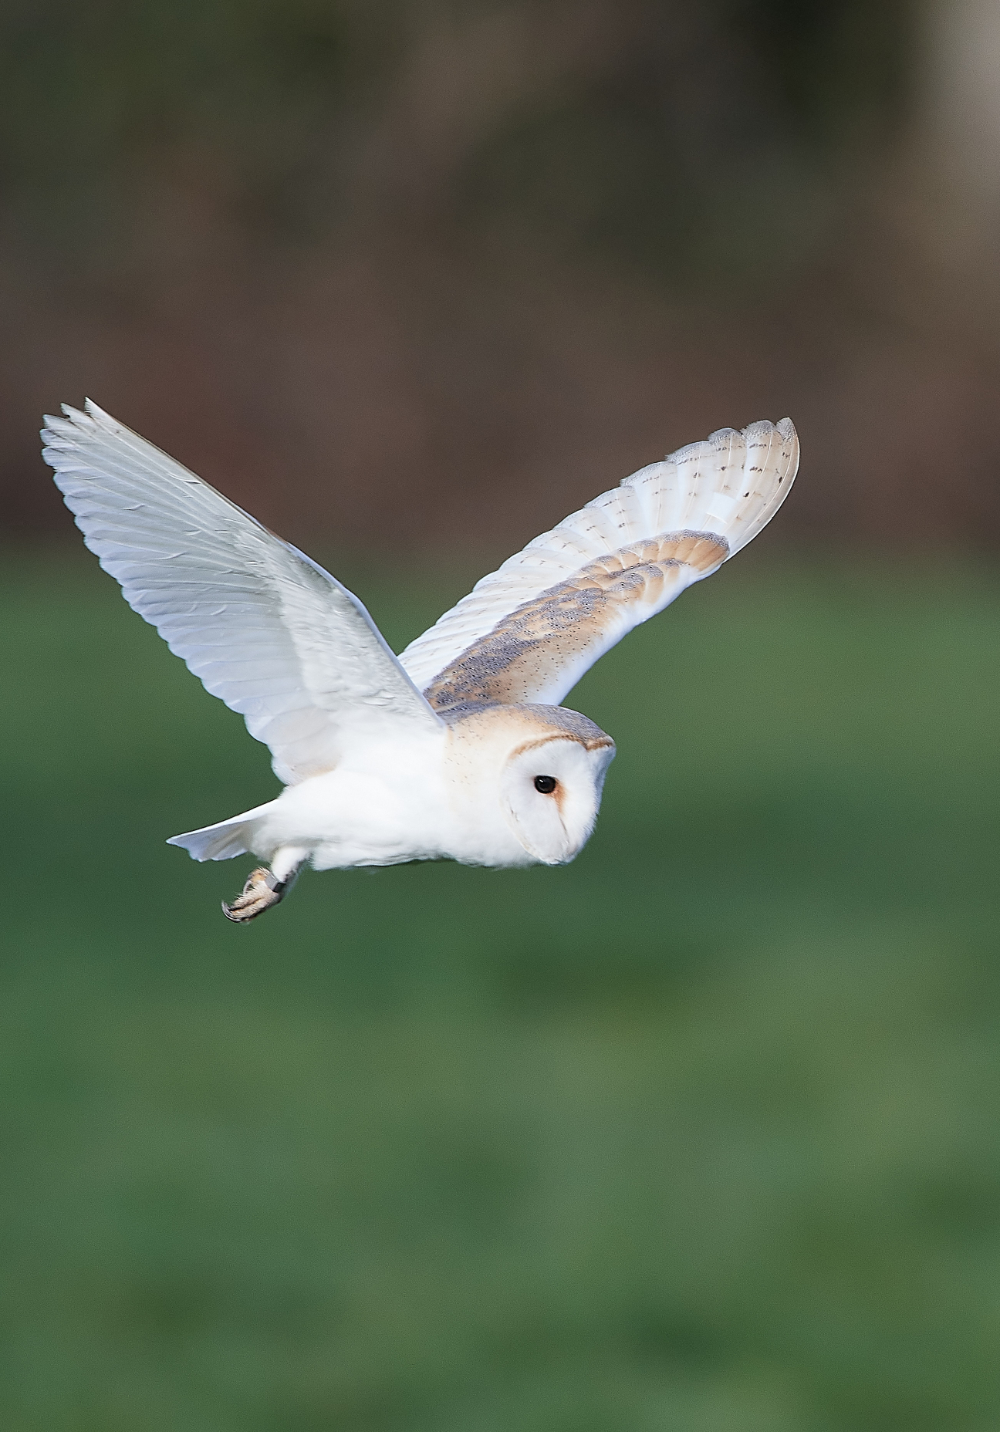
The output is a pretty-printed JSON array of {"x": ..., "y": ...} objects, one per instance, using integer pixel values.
[
  {"x": 530, "y": 630},
  {"x": 263, "y": 626}
]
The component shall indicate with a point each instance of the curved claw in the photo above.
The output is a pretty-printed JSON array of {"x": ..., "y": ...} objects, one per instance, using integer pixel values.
[{"x": 262, "y": 890}]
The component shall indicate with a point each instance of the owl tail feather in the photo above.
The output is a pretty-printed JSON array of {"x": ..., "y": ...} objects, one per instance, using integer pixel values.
[{"x": 223, "y": 840}]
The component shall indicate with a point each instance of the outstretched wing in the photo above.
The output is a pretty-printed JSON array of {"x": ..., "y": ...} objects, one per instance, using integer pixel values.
[
  {"x": 263, "y": 626},
  {"x": 529, "y": 631}
]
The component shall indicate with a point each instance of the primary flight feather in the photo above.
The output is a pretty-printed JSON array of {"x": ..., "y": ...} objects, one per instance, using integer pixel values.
[{"x": 457, "y": 749}]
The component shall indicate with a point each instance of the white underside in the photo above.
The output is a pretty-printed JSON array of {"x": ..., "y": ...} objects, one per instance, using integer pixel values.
[{"x": 389, "y": 803}]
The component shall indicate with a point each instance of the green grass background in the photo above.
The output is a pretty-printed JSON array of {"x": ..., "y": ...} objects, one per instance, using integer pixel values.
[{"x": 700, "y": 1133}]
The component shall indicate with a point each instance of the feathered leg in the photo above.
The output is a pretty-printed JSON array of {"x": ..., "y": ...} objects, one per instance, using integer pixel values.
[{"x": 266, "y": 887}]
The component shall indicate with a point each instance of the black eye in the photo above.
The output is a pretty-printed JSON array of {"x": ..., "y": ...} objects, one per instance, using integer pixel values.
[{"x": 545, "y": 785}]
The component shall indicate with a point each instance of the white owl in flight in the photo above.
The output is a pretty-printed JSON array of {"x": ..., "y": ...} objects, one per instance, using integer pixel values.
[{"x": 457, "y": 749}]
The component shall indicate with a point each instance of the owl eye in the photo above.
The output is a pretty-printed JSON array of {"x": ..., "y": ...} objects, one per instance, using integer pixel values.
[{"x": 545, "y": 785}]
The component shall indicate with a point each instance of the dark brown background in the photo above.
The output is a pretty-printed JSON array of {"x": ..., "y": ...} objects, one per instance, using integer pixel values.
[{"x": 399, "y": 275}]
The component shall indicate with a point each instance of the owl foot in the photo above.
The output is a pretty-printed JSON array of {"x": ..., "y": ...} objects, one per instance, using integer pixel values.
[{"x": 261, "y": 891}]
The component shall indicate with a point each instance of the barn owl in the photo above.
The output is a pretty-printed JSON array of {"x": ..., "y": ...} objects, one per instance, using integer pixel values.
[{"x": 458, "y": 748}]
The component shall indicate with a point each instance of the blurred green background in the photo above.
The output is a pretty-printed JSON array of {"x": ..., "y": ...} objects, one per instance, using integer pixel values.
[
  {"x": 699, "y": 1132},
  {"x": 702, "y": 1133}
]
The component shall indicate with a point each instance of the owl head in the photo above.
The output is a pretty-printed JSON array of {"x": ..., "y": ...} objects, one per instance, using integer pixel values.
[{"x": 531, "y": 775}]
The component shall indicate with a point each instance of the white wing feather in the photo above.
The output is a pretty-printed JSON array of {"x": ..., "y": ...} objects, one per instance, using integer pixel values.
[
  {"x": 728, "y": 486},
  {"x": 265, "y": 628}
]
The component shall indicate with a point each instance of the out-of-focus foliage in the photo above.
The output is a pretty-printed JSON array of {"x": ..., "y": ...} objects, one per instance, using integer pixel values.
[
  {"x": 414, "y": 273},
  {"x": 697, "y": 1133},
  {"x": 640, "y": 124}
]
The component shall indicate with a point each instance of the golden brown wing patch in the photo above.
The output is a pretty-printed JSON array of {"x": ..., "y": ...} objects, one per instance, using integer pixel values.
[{"x": 514, "y": 661}]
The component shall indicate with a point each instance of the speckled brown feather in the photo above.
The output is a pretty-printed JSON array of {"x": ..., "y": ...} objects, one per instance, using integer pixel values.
[
  {"x": 725, "y": 488},
  {"x": 562, "y": 624}
]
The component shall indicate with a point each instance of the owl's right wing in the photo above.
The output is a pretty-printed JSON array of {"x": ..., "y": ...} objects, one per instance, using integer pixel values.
[
  {"x": 265, "y": 628},
  {"x": 529, "y": 631}
]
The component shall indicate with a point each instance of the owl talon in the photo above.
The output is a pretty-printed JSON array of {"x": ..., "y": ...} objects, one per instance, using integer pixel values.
[{"x": 261, "y": 891}]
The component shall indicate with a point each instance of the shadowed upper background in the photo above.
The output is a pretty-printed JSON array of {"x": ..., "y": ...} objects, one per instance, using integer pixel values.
[{"x": 398, "y": 275}]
